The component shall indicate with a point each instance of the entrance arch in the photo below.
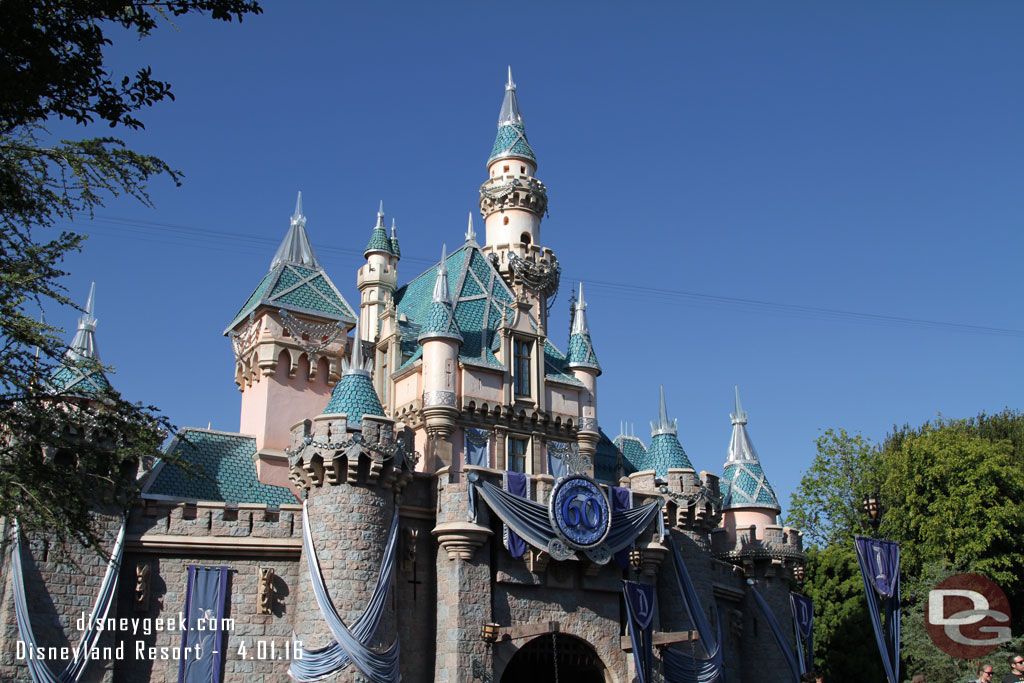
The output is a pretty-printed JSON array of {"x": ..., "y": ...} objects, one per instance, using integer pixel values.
[{"x": 535, "y": 662}]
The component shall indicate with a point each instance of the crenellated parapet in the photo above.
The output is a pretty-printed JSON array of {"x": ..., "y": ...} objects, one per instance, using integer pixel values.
[
  {"x": 325, "y": 451},
  {"x": 520, "y": 191}
]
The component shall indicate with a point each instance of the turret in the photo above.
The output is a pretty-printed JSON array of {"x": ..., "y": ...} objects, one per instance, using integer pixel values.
[
  {"x": 441, "y": 339},
  {"x": 378, "y": 278},
  {"x": 81, "y": 374},
  {"x": 582, "y": 361},
  {"x": 288, "y": 338},
  {"x": 750, "y": 508},
  {"x": 665, "y": 452}
]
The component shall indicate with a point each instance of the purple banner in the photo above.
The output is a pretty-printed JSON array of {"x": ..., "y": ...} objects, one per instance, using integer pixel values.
[
  {"x": 880, "y": 569},
  {"x": 640, "y": 610},
  {"x": 202, "y": 640},
  {"x": 882, "y": 560},
  {"x": 516, "y": 483}
]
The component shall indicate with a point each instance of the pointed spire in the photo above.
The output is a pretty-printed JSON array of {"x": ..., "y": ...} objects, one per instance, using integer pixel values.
[
  {"x": 510, "y": 105},
  {"x": 581, "y": 348},
  {"x": 744, "y": 483},
  {"x": 295, "y": 248},
  {"x": 354, "y": 395},
  {"x": 470, "y": 232},
  {"x": 83, "y": 345},
  {"x": 379, "y": 237},
  {"x": 579, "y": 319},
  {"x": 356, "y": 365},
  {"x": 663, "y": 425},
  {"x": 740, "y": 416},
  {"x": 440, "y": 321},
  {"x": 394, "y": 239},
  {"x": 441, "y": 284},
  {"x": 511, "y": 142}
]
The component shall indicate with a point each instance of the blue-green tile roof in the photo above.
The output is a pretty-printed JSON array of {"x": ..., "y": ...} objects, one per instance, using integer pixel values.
[
  {"x": 511, "y": 142},
  {"x": 440, "y": 323},
  {"x": 555, "y": 367},
  {"x": 297, "y": 289},
  {"x": 665, "y": 452},
  {"x": 87, "y": 380},
  {"x": 379, "y": 241},
  {"x": 606, "y": 460},
  {"x": 581, "y": 352},
  {"x": 634, "y": 453},
  {"x": 227, "y": 461},
  {"x": 355, "y": 396},
  {"x": 394, "y": 246},
  {"x": 745, "y": 485}
]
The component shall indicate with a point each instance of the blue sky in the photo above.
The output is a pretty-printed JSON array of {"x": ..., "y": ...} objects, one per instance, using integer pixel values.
[{"x": 729, "y": 181}]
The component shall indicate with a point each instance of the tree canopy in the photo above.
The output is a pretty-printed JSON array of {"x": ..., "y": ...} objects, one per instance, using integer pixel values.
[
  {"x": 951, "y": 492},
  {"x": 60, "y": 449}
]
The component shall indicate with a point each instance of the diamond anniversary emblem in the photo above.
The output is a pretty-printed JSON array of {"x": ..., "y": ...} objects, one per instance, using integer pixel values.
[{"x": 579, "y": 512}]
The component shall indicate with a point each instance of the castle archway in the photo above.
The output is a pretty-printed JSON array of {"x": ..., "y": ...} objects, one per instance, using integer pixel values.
[{"x": 535, "y": 662}]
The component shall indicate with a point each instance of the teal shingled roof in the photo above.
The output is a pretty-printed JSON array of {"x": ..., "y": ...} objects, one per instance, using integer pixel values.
[
  {"x": 555, "y": 368},
  {"x": 227, "y": 462},
  {"x": 581, "y": 352},
  {"x": 298, "y": 289},
  {"x": 355, "y": 396},
  {"x": 606, "y": 460},
  {"x": 665, "y": 452},
  {"x": 743, "y": 484},
  {"x": 634, "y": 453},
  {"x": 511, "y": 142},
  {"x": 440, "y": 323},
  {"x": 79, "y": 381},
  {"x": 379, "y": 241}
]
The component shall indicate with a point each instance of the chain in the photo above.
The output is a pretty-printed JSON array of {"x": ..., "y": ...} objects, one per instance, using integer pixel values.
[{"x": 554, "y": 652}]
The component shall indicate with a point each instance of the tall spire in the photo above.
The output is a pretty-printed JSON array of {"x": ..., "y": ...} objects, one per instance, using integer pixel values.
[
  {"x": 744, "y": 483},
  {"x": 379, "y": 237},
  {"x": 356, "y": 364},
  {"x": 581, "y": 348},
  {"x": 83, "y": 345},
  {"x": 470, "y": 232},
  {"x": 663, "y": 425},
  {"x": 295, "y": 248},
  {"x": 510, "y": 105},
  {"x": 354, "y": 395},
  {"x": 440, "y": 320},
  {"x": 511, "y": 142},
  {"x": 441, "y": 284},
  {"x": 394, "y": 239}
]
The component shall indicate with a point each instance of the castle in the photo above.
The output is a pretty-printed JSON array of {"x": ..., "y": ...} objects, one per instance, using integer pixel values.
[{"x": 420, "y": 488}]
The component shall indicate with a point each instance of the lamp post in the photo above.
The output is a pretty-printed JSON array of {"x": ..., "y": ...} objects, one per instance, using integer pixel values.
[
  {"x": 873, "y": 508},
  {"x": 799, "y": 573}
]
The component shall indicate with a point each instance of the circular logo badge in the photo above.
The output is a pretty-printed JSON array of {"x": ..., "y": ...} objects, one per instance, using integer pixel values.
[
  {"x": 579, "y": 511},
  {"x": 967, "y": 616}
]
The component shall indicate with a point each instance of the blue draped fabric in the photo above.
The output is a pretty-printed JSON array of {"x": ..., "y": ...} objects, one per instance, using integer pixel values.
[
  {"x": 478, "y": 447},
  {"x": 681, "y": 668},
  {"x": 205, "y": 595},
  {"x": 622, "y": 499},
  {"x": 880, "y": 570},
  {"x": 530, "y": 522},
  {"x": 557, "y": 450},
  {"x": 803, "y": 624},
  {"x": 640, "y": 613},
  {"x": 38, "y": 669},
  {"x": 780, "y": 637},
  {"x": 350, "y": 645},
  {"x": 517, "y": 484}
]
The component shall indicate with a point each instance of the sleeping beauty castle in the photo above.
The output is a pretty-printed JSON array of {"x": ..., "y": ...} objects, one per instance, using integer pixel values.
[{"x": 420, "y": 489}]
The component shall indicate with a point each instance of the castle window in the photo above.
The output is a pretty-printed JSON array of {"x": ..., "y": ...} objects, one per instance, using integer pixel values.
[
  {"x": 521, "y": 352},
  {"x": 517, "y": 449},
  {"x": 505, "y": 170},
  {"x": 522, "y": 169},
  {"x": 525, "y": 239},
  {"x": 506, "y": 220}
]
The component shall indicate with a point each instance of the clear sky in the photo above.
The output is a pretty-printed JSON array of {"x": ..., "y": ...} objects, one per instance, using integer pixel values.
[{"x": 775, "y": 195}]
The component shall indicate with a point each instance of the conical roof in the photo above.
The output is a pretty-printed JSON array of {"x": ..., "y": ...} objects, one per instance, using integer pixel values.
[
  {"x": 81, "y": 373},
  {"x": 379, "y": 240},
  {"x": 511, "y": 142},
  {"x": 354, "y": 395},
  {"x": 665, "y": 452},
  {"x": 394, "y": 240},
  {"x": 743, "y": 483},
  {"x": 581, "y": 348},
  {"x": 440, "y": 321},
  {"x": 296, "y": 282}
]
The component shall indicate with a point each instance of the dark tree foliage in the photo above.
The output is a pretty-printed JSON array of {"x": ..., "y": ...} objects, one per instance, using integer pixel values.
[{"x": 61, "y": 453}]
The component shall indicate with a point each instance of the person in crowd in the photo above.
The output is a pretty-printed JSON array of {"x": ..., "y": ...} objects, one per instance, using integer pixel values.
[
  {"x": 1016, "y": 663},
  {"x": 985, "y": 673}
]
